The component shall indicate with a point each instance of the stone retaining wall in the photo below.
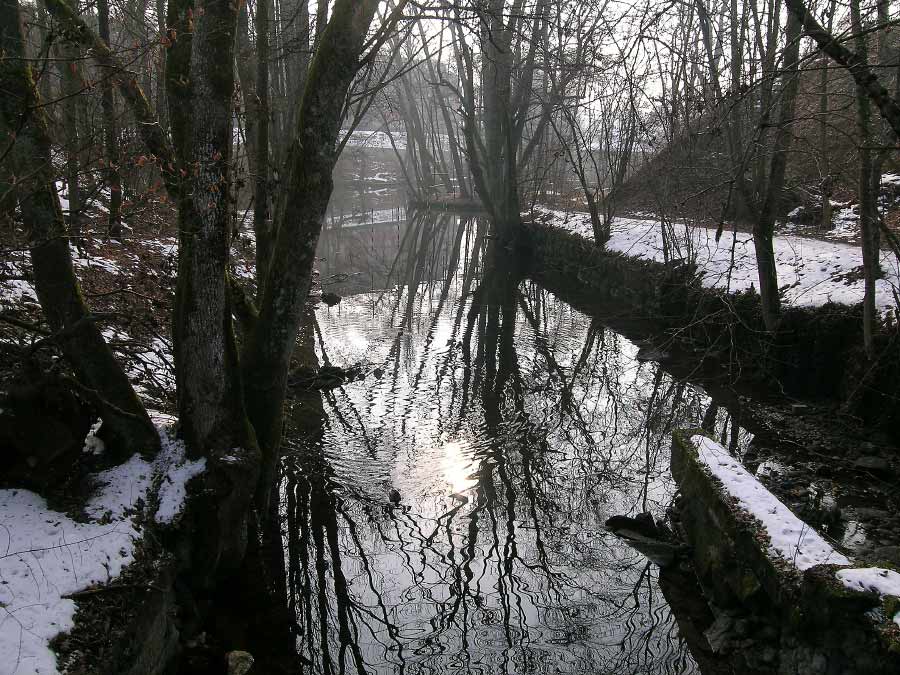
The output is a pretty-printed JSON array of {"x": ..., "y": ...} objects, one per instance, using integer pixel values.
[
  {"x": 816, "y": 355},
  {"x": 820, "y": 627}
]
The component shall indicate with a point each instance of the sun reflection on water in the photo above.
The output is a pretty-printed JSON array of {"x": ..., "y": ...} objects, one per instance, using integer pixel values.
[{"x": 457, "y": 466}]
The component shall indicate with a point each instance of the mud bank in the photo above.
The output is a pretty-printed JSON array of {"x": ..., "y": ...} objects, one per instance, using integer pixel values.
[
  {"x": 776, "y": 585},
  {"x": 816, "y": 355}
]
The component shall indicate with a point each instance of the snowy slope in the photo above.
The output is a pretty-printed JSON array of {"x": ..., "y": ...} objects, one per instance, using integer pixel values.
[{"x": 810, "y": 272}]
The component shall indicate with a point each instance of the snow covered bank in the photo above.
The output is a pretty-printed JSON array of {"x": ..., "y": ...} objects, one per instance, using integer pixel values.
[
  {"x": 46, "y": 556},
  {"x": 753, "y": 555},
  {"x": 811, "y": 272},
  {"x": 790, "y": 538}
]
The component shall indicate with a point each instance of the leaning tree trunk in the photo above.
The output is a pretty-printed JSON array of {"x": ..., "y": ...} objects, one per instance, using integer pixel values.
[
  {"x": 304, "y": 199},
  {"x": 125, "y": 422},
  {"x": 855, "y": 64}
]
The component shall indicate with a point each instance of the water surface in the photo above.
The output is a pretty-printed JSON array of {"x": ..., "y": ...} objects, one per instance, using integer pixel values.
[{"x": 512, "y": 426}]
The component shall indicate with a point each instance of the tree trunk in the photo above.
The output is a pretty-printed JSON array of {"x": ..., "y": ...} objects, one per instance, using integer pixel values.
[
  {"x": 126, "y": 424},
  {"x": 161, "y": 103},
  {"x": 299, "y": 215},
  {"x": 110, "y": 133},
  {"x": 211, "y": 410},
  {"x": 71, "y": 89},
  {"x": 764, "y": 226},
  {"x": 828, "y": 178},
  {"x": 868, "y": 195},
  {"x": 179, "y": 97},
  {"x": 246, "y": 66},
  {"x": 262, "y": 222},
  {"x": 209, "y": 403}
]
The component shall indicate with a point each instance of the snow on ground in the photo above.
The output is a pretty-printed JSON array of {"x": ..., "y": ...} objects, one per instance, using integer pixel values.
[
  {"x": 371, "y": 217},
  {"x": 810, "y": 272},
  {"x": 376, "y": 139},
  {"x": 46, "y": 556},
  {"x": 84, "y": 261},
  {"x": 874, "y": 579},
  {"x": 15, "y": 291},
  {"x": 790, "y": 538},
  {"x": 845, "y": 221}
]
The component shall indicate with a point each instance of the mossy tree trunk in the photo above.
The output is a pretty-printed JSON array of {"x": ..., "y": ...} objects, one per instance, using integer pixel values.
[
  {"x": 211, "y": 411},
  {"x": 126, "y": 424}
]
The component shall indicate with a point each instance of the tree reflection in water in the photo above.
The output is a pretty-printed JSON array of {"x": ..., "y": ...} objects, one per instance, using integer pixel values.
[{"x": 513, "y": 426}]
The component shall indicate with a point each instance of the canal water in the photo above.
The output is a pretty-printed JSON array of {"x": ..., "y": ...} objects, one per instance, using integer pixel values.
[{"x": 445, "y": 513}]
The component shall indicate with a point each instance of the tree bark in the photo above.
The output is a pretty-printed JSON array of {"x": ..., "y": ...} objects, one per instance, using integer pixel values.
[
  {"x": 867, "y": 190},
  {"x": 262, "y": 222},
  {"x": 764, "y": 226},
  {"x": 828, "y": 178},
  {"x": 110, "y": 133},
  {"x": 70, "y": 90},
  {"x": 211, "y": 409}
]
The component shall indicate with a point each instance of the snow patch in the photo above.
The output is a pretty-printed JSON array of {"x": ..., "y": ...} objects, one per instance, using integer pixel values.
[
  {"x": 789, "y": 537},
  {"x": 15, "y": 292},
  {"x": 45, "y": 556},
  {"x": 84, "y": 261},
  {"x": 874, "y": 579},
  {"x": 177, "y": 472},
  {"x": 93, "y": 444}
]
